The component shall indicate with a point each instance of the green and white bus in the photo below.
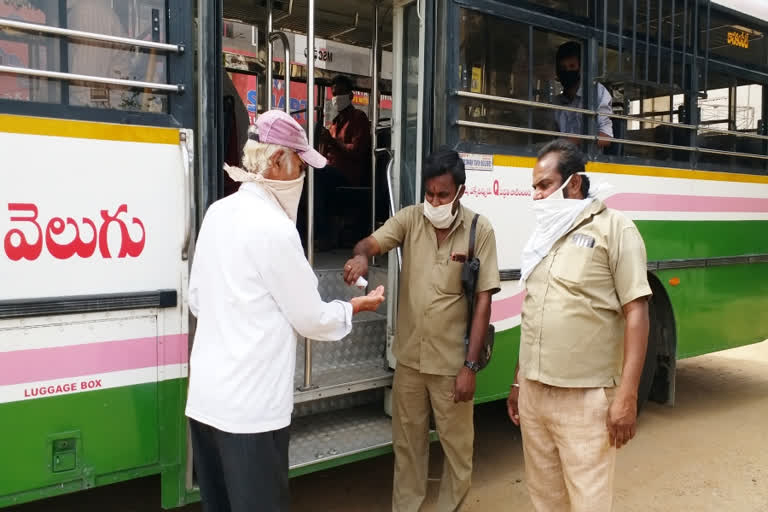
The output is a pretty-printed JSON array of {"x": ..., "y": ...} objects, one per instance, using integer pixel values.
[{"x": 116, "y": 118}]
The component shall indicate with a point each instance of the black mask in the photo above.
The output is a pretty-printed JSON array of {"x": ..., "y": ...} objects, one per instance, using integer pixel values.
[{"x": 569, "y": 78}]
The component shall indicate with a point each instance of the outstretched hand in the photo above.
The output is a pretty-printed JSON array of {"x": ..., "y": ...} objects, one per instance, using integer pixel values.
[{"x": 370, "y": 302}]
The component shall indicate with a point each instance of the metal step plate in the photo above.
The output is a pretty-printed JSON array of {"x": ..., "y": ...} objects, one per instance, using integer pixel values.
[
  {"x": 365, "y": 344},
  {"x": 333, "y": 435},
  {"x": 344, "y": 380}
]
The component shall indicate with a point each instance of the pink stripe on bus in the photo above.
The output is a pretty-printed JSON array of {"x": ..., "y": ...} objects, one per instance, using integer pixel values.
[
  {"x": 507, "y": 308},
  {"x": 636, "y": 202},
  {"x": 40, "y": 364}
]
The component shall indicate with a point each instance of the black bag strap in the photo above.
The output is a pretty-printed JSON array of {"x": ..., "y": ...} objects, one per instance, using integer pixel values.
[
  {"x": 472, "y": 269},
  {"x": 472, "y": 232}
]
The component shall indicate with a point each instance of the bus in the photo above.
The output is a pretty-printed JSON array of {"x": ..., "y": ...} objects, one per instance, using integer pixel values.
[{"x": 139, "y": 103}]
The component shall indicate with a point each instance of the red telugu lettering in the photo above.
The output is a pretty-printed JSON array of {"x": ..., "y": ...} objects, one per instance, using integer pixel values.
[
  {"x": 127, "y": 247},
  {"x": 24, "y": 249},
  {"x": 56, "y": 226},
  {"x": 17, "y": 247}
]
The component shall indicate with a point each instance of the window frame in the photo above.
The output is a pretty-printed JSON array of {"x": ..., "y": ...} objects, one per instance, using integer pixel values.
[
  {"x": 593, "y": 36},
  {"x": 179, "y": 19}
]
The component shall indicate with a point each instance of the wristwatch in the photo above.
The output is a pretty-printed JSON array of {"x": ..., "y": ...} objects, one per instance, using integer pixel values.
[{"x": 472, "y": 366}]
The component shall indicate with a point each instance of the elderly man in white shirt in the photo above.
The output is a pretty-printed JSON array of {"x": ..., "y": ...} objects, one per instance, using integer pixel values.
[
  {"x": 568, "y": 63},
  {"x": 252, "y": 290}
]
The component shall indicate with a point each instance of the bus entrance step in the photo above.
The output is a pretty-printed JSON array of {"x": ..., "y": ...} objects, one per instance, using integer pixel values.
[
  {"x": 343, "y": 380},
  {"x": 365, "y": 345},
  {"x": 338, "y": 434}
]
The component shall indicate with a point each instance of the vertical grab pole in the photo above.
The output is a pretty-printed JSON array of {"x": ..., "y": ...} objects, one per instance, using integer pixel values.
[
  {"x": 268, "y": 81},
  {"x": 374, "y": 107},
  {"x": 274, "y": 36},
  {"x": 310, "y": 113}
]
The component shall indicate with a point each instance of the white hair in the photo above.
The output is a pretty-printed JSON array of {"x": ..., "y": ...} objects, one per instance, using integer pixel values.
[{"x": 257, "y": 155}]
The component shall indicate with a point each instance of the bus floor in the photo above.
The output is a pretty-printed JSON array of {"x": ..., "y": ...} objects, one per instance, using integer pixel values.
[{"x": 705, "y": 454}]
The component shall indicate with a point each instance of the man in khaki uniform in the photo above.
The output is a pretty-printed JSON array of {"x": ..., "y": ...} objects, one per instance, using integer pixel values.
[
  {"x": 583, "y": 338},
  {"x": 434, "y": 368}
]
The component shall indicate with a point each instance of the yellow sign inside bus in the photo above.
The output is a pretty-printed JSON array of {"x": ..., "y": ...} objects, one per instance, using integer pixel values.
[{"x": 738, "y": 39}]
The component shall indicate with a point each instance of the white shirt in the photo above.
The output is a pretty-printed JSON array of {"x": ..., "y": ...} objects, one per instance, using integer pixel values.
[
  {"x": 571, "y": 122},
  {"x": 250, "y": 287}
]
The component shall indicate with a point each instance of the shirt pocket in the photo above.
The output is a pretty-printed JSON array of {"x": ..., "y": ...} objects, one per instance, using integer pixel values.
[
  {"x": 447, "y": 277},
  {"x": 572, "y": 262}
]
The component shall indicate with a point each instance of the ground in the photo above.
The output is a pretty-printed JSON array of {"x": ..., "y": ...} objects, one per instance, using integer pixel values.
[{"x": 708, "y": 453}]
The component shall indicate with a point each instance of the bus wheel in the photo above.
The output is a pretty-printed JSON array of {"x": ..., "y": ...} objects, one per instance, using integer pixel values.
[{"x": 651, "y": 355}]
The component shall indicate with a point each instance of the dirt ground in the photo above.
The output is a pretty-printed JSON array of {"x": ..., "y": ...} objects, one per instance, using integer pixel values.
[{"x": 708, "y": 453}]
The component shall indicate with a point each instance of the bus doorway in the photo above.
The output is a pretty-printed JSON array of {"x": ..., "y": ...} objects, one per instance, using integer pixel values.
[
  {"x": 342, "y": 97},
  {"x": 352, "y": 38}
]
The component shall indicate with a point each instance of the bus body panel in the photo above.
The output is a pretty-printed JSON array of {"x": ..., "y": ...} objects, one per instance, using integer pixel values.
[
  {"x": 710, "y": 224},
  {"x": 94, "y": 214}
]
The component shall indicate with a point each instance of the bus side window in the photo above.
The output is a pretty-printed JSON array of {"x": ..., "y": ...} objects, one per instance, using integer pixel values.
[{"x": 143, "y": 19}]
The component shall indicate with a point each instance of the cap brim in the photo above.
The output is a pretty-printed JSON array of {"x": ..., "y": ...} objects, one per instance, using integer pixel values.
[{"x": 313, "y": 159}]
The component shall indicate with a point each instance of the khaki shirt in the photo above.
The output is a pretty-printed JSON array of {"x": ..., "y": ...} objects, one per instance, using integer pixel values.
[
  {"x": 572, "y": 332},
  {"x": 432, "y": 313}
]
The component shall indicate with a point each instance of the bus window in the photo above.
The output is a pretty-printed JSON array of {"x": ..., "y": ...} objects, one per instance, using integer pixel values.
[
  {"x": 142, "y": 19},
  {"x": 495, "y": 60},
  {"x": 649, "y": 94},
  {"x": 23, "y": 49},
  {"x": 731, "y": 115}
]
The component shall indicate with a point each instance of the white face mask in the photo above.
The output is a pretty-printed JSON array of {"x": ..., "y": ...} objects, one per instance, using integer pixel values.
[
  {"x": 286, "y": 193},
  {"x": 341, "y": 102},
  {"x": 554, "y": 217},
  {"x": 442, "y": 216}
]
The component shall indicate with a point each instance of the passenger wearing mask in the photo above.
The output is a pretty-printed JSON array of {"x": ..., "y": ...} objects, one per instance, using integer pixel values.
[
  {"x": 347, "y": 146},
  {"x": 252, "y": 290},
  {"x": 568, "y": 67},
  {"x": 435, "y": 369},
  {"x": 347, "y": 142},
  {"x": 584, "y": 334}
]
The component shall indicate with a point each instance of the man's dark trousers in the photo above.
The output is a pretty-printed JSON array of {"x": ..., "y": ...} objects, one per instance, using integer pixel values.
[{"x": 241, "y": 472}]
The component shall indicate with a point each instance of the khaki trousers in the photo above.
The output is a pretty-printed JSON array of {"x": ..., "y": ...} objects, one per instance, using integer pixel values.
[
  {"x": 413, "y": 394},
  {"x": 569, "y": 462}
]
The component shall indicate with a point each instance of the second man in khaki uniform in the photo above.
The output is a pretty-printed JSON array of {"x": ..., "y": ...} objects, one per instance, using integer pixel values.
[
  {"x": 583, "y": 338},
  {"x": 435, "y": 372}
]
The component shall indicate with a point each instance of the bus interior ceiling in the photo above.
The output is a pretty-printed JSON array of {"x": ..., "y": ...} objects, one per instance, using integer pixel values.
[
  {"x": 339, "y": 387},
  {"x": 350, "y": 23}
]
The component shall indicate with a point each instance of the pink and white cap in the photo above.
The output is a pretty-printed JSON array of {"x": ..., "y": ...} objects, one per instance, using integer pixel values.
[{"x": 277, "y": 127}]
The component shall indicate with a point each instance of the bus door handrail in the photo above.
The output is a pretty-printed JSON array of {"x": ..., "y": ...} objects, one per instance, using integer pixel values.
[
  {"x": 274, "y": 36},
  {"x": 93, "y": 36},
  {"x": 188, "y": 161},
  {"x": 390, "y": 167},
  {"x": 74, "y": 77}
]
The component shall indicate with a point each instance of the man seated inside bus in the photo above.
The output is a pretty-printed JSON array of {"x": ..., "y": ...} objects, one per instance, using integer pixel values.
[
  {"x": 568, "y": 67},
  {"x": 346, "y": 144}
]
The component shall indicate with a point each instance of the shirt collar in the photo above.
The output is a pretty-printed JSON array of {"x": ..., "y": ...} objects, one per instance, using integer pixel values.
[
  {"x": 593, "y": 209},
  {"x": 566, "y": 100}
]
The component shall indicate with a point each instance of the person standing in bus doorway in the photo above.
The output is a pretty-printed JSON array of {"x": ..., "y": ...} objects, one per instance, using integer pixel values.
[
  {"x": 568, "y": 67},
  {"x": 347, "y": 146},
  {"x": 435, "y": 371},
  {"x": 251, "y": 290},
  {"x": 584, "y": 335}
]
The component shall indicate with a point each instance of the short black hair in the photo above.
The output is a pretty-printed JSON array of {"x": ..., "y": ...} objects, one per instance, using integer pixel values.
[
  {"x": 570, "y": 161},
  {"x": 444, "y": 161},
  {"x": 342, "y": 81},
  {"x": 569, "y": 49}
]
